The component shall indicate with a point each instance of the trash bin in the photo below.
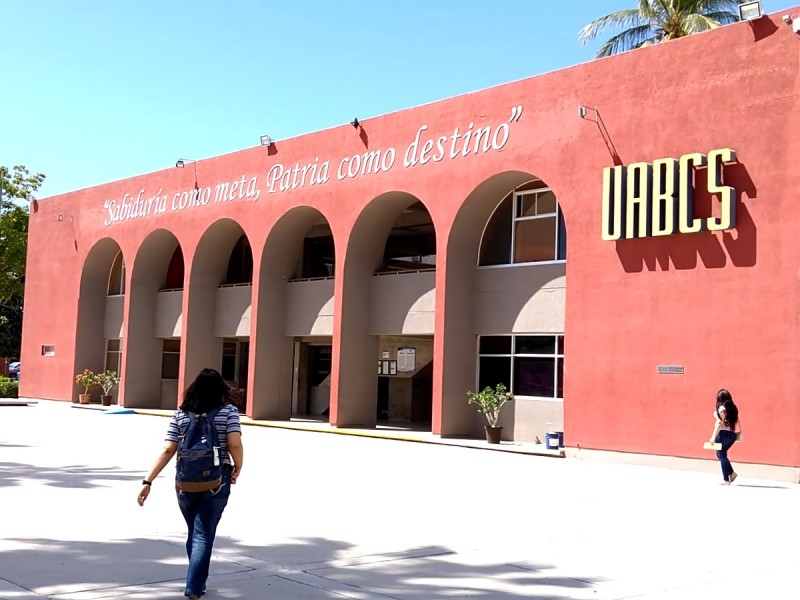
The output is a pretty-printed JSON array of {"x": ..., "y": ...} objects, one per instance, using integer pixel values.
[
  {"x": 560, "y": 435},
  {"x": 551, "y": 440}
]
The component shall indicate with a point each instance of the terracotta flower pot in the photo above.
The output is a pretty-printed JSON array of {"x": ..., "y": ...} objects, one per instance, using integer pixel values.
[
  {"x": 84, "y": 398},
  {"x": 493, "y": 434}
]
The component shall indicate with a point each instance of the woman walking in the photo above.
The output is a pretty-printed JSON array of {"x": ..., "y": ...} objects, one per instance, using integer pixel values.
[
  {"x": 726, "y": 431},
  {"x": 207, "y": 397}
]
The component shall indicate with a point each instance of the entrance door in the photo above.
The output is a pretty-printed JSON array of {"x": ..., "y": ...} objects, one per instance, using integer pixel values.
[{"x": 319, "y": 383}]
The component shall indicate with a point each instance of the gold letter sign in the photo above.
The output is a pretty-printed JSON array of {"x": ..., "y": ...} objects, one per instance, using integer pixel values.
[{"x": 644, "y": 200}]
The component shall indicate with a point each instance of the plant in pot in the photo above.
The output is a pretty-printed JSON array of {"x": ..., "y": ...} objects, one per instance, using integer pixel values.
[
  {"x": 107, "y": 381},
  {"x": 489, "y": 403},
  {"x": 87, "y": 380}
]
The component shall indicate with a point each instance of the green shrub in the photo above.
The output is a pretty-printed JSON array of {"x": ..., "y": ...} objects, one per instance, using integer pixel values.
[{"x": 9, "y": 388}]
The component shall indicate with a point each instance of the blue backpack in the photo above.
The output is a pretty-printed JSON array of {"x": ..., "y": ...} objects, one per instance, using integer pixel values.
[{"x": 199, "y": 467}]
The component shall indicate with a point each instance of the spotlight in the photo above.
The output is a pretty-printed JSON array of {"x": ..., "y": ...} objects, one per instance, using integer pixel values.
[
  {"x": 266, "y": 140},
  {"x": 583, "y": 113},
  {"x": 750, "y": 11},
  {"x": 180, "y": 164},
  {"x": 354, "y": 123}
]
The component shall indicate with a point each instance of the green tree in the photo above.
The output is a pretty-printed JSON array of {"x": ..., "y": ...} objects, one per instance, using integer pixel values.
[
  {"x": 656, "y": 21},
  {"x": 16, "y": 184}
]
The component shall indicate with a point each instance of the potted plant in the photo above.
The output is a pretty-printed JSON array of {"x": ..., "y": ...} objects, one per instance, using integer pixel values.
[
  {"x": 489, "y": 403},
  {"x": 107, "y": 381},
  {"x": 87, "y": 380}
]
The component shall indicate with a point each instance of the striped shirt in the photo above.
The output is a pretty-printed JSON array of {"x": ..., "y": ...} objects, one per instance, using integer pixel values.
[{"x": 226, "y": 421}]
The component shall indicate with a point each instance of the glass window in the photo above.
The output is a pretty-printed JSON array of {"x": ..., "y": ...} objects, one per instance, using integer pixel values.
[
  {"x": 170, "y": 359},
  {"x": 496, "y": 240},
  {"x": 495, "y": 344},
  {"x": 532, "y": 368},
  {"x": 534, "y": 377},
  {"x": 113, "y": 355},
  {"x": 493, "y": 370},
  {"x": 116, "y": 278},
  {"x": 534, "y": 344},
  {"x": 526, "y": 227},
  {"x": 535, "y": 240}
]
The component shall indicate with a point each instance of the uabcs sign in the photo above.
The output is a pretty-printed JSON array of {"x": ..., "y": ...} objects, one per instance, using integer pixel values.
[{"x": 648, "y": 200}]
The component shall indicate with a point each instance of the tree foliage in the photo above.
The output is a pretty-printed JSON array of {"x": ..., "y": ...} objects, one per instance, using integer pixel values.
[
  {"x": 16, "y": 184},
  {"x": 656, "y": 21}
]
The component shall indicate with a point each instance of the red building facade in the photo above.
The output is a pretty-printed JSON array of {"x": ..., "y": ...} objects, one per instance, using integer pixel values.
[{"x": 615, "y": 266}]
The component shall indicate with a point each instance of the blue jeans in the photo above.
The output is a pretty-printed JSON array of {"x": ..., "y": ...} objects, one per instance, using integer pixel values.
[
  {"x": 727, "y": 439},
  {"x": 202, "y": 511}
]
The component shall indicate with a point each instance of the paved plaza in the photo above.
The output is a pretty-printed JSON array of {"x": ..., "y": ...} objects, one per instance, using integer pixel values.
[{"x": 318, "y": 516}]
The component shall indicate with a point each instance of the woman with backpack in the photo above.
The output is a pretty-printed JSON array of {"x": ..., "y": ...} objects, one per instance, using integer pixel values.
[
  {"x": 206, "y": 435},
  {"x": 727, "y": 430}
]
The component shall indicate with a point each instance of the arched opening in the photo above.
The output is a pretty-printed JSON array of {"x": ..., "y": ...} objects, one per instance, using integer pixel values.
[
  {"x": 240, "y": 264},
  {"x": 294, "y": 329},
  {"x": 154, "y": 323},
  {"x": 220, "y": 297},
  {"x": 505, "y": 304},
  {"x": 388, "y": 316},
  {"x": 101, "y": 306},
  {"x": 175, "y": 271}
]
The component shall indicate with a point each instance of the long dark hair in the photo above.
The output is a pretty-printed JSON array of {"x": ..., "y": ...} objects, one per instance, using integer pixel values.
[
  {"x": 208, "y": 391},
  {"x": 723, "y": 396},
  {"x": 731, "y": 414}
]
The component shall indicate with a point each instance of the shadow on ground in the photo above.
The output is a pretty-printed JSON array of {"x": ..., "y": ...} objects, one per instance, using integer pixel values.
[
  {"x": 306, "y": 568},
  {"x": 72, "y": 476}
]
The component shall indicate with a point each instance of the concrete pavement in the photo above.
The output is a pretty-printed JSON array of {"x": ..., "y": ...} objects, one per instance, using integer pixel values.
[{"x": 319, "y": 516}]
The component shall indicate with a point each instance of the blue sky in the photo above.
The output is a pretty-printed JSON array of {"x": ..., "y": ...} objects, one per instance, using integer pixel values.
[{"x": 98, "y": 91}]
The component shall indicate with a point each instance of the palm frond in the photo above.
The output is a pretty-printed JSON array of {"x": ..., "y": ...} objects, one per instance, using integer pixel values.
[
  {"x": 723, "y": 17},
  {"x": 627, "y": 40},
  {"x": 709, "y": 6},
  {"x": 697, "y": 23},
  {"x": 622, "y": 19}
]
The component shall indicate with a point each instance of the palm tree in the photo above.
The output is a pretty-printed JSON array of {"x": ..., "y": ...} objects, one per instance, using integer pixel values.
[{"x": 658, "y": 21}]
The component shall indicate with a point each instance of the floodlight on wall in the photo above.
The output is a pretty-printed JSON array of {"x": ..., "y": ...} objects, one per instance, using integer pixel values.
[
  {"x": 750, "y": 11},
  {"x": 265, "y": 140},
  {"x": 355, "y": 123},
  {"x": 181, "y": 163},
  {"x": 587, "y": 112}
]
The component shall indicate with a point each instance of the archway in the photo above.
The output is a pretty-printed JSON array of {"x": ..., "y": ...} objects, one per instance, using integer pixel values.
[
  {"x": 98, "y": 343},
  {"x": 388, "y": 316},
  {"x": 294, "y": 329},
  {"x": 218, "y": 308},
  {"x": 154, "y": 323},
  {"x": 504, "y": 306}
]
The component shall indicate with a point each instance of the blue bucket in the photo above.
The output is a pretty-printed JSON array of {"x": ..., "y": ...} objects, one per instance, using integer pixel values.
[{"x": 551, "y": 441}]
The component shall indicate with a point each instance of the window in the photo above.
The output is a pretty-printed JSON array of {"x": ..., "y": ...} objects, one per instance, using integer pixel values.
[
  {"x": 48, "y": 350},
  {"x": 531, "y": 366},
  {"x": 170, "y": 359},
  {"x": 527, "y": 227},
  {"x": 116, "y": 279},
  {"x": 113, "y": 355}
]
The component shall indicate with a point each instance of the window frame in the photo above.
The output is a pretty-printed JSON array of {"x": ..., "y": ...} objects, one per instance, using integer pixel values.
[
  {"x": 517, "y": 197},
  {"x": 556, "y": 355},
  {"x": 164, "y": 352},
  {"x": 117, "y": 352}
]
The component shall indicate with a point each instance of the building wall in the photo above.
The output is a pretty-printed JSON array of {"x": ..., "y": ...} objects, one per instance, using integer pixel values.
[{"x": 722, "y": 305}]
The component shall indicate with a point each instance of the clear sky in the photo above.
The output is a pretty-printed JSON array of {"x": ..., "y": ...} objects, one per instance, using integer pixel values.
[{"x": 96, "y": 91}]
